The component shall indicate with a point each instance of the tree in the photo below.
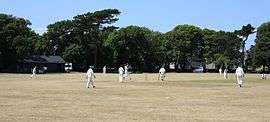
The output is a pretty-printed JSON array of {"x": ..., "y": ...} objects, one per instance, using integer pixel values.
[
  {"x": 136, "y": 46},
  {"x": 59, "y": 35},
  {"x": 16, "y": 40},
  {"x": 250, "y": 58},
  {"x": 262, "y": 46},
  {"x": 222, "y": 60},
  {"x": 221, "y": 47},
  {"x": 184, "y": 44},
  {"x": 73, "y": 53},
  {"x": 244, "y": 34},
  {"x": 209, "y": 48},
  {"x": 88, "y": 31},
  {"x": 89, "y": 25}
]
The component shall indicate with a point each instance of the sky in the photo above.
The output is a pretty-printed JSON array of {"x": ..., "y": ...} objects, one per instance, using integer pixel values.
[{"x": 158, "y": 15}]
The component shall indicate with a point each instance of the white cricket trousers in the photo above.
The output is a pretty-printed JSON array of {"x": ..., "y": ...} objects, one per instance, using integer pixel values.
[
  {"x": 89, "y": 82},
  {"x": 120, "y": 78},
  {"x": 225, "y": 75},
  {"x": 239, "y": 79}
]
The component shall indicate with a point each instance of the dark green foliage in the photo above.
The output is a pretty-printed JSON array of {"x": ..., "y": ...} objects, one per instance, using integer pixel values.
[
  {"x": 184, "y": 45},
  {"x": 86, "y": 33},
  {"x": 16, "y": 40},
  {"x": 244, "y": 34},
  {"x": 222, "y": 48},
  {"x": 250, "y": 62},
  {"x": 262, "y": 46},
  {"x": 138, "y": 46},
  {"x": 91, "y": 39}
]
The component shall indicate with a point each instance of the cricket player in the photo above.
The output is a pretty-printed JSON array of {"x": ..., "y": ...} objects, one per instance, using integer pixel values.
[
  {"x": 34, "y": 71},
  {"x": 239, "y": 73},
  {"x": 225, "y": 73},
  {"x": 89, "y": 77},
  {"x": 220, "y": 71},
  {"x": 162, "y": 72},
  {"x": 104, "y": 70},
  {"x": 121, "y": 74},
  {"x": 126, "y": 75}
]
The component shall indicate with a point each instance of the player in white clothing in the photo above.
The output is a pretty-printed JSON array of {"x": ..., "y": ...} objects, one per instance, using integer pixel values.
[
  {"x": 162, "y": 72},
  {"x": 126, "y": 75},
  {"x": 239, "y": 73},
  {"x": 34, "y": 71},
  {"x": 89, "y": 77},
  {"x": 121, "y": 74},
  {"x": 220, "y": 71},
  {"x": 104, "y": 70},
  {"x": 226, "y": 73}
]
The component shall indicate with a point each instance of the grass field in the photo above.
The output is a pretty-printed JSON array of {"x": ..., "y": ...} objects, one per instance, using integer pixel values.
[{"x": 184, "y": 97}]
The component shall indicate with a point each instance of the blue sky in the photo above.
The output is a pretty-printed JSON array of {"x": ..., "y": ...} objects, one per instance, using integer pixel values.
[{"x": 159, "y": 15}]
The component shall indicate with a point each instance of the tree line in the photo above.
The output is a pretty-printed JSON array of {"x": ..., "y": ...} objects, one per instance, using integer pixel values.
[{"x": 91, "y": 39}]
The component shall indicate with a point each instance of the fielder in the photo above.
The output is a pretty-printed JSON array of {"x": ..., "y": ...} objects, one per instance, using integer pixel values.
[
  {"x": 162, "y": 72},
  {"x": 226, "y": 73},
  {"x": 126, "y": 75},
  {"x": 220, "y": 71},
  {"x": 121, "y": 74},
  {"x": 104, "y": 70},
  {"x": 239, "y": 73},
  {"x": 89, "y": 77},
  {"x": 34, "y": 71}
]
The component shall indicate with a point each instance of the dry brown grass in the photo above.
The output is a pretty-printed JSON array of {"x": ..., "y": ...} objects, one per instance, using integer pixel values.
[{"x": 185, "y": 97}]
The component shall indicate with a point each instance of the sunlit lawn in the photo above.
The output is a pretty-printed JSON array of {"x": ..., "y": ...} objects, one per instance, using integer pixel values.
[{"x": 184, "y": 97}]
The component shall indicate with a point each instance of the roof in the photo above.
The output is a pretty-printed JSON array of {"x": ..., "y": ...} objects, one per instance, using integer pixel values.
[{"x": 44, "y": 59}]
